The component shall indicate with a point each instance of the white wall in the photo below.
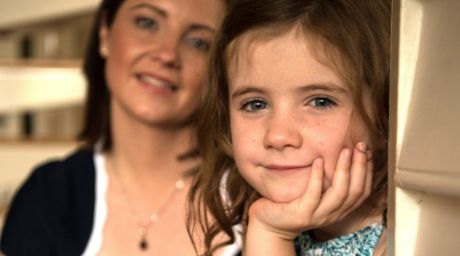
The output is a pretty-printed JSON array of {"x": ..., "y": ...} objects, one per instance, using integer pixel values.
[{"x": 39, "y": 87}]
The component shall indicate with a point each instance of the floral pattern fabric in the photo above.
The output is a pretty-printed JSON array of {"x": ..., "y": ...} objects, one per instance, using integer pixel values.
[{"x": 360, "y": 243}]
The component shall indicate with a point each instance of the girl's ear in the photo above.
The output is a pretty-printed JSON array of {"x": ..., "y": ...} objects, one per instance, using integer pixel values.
[{"x": 104, "y": 37}]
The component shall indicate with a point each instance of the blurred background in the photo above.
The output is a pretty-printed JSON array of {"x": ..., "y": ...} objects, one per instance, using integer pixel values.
[
  {"x": 42, "y": 44},
  {"x": 42, "y": 91}
]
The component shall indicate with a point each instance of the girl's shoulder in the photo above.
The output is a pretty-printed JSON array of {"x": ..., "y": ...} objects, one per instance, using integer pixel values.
[
  {"x": 362, "y": 242},
  {"x": 381, "y": 248}
]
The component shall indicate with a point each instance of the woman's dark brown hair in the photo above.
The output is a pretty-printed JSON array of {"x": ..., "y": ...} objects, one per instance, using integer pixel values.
[
  {"x": 97, "y": 106},
  {"x": 354, "y": 36}
]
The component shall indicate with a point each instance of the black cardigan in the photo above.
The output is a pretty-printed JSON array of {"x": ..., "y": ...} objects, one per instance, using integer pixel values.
[{"x": 52, "y": 213}]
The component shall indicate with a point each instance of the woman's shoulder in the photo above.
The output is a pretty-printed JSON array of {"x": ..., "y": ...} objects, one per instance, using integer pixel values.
[
  {"x": 55, "y": 183},
  {"x": 60, "y": 178},
  {"x": 56, "y": 198},
  {"x": 77, "y": 158},
  {"x": 78, "y": 165}
]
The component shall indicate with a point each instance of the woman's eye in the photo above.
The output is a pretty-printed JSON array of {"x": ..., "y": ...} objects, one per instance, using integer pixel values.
[
  {"x": 200, "y": 44},
  {"x": 254, "y": 105},
  {"x": 145, "y": 22},
  {"x": 322, "y": 103}
]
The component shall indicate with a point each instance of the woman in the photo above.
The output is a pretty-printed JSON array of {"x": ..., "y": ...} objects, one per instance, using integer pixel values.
[{"x": 125, "y": 192}]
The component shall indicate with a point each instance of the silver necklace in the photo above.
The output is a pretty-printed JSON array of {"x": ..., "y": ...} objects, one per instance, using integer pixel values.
[{"x": 145, "y": 225}]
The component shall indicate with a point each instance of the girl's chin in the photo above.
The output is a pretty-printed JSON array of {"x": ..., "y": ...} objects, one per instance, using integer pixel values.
[{"x": 278, "y": 197}]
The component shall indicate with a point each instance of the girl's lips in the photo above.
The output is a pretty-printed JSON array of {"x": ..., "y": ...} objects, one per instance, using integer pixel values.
[
  {"x": 285, "y": 167},
  {"x": 156, "y": 82}
]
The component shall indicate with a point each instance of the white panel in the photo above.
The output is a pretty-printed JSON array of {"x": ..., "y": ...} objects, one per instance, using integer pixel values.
[
  {"x": 410, "y": 29},
  {"x": 427, "y": 207},
  {"x": 431, "y": 143},
  {"x": 408, "y": 218},
  {"x": 428, "y": 224}
]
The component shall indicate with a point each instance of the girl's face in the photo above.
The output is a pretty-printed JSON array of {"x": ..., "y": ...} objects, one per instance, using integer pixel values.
[
  {"x": 286, "y": 110},
  {"x": 156, "y": 52}
]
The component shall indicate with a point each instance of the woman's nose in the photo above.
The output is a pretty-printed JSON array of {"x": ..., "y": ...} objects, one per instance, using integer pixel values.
[
  {"x": 282, "y": 132},
  {"x": 167, "y": 51}
]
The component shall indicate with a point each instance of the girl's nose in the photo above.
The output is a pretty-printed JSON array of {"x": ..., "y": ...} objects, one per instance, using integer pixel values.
[{"x": 282, "y": 133}]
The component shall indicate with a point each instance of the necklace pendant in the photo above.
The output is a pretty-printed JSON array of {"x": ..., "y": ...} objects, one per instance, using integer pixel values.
[{"x": 143, "y": 245}]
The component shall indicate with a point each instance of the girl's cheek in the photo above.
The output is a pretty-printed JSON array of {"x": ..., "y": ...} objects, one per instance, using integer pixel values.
[{"x": 330, "y": 153}]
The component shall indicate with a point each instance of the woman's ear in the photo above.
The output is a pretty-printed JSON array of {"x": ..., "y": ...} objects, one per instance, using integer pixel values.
[{"x": 104, "y": 35}]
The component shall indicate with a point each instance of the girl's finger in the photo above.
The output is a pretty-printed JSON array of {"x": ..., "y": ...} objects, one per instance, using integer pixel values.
[
  {"x": 301, "y": 209},
  {"x": 358, "y": 173},
  {"x": 312, "y": 195},
  {"x": 367, "y": 185},
  {"x": 335, "y": 195}
]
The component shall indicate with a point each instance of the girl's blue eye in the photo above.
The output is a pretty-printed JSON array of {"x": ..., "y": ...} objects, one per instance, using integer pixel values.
[
  {"x": 145, "y": 22},
  {"x": 254, "y": 105},
  {"x": 322, "y": 102},
  {"x": 200, "y": 44}
]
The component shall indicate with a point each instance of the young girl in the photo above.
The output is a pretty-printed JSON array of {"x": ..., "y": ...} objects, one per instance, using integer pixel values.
[{"x": 295, "y": 121}]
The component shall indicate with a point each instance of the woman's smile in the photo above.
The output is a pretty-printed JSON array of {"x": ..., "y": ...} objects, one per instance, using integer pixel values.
[{"x": 156, "y": 84}]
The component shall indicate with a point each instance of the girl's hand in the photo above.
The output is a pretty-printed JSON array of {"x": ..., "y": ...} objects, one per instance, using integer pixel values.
[{"x": 351, "y": 185}]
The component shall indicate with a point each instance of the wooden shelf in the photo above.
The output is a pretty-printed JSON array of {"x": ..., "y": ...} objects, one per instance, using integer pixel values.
[
  {"x": 40, "y": 63},
  {"x": 42, "y": 142},
  {"x": 25, "y": 12}
]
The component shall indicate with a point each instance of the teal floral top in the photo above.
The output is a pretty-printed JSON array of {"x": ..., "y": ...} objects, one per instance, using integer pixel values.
[{"x": 362, "y": 243}]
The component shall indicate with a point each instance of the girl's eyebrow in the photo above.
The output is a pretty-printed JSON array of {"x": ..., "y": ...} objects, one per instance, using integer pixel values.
[
  {"x": 164, "y": 14},
  {"x": 246, "y": 89},
  {"x": 329, "y": 87}
]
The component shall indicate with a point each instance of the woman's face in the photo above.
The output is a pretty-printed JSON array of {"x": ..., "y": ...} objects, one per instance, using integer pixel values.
[
  {"x": 286, "y": 110},
  {"x": 156, "y": 53}
]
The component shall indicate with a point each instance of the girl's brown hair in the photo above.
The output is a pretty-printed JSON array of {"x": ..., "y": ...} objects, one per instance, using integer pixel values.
[{"x": 355, "y": 36}]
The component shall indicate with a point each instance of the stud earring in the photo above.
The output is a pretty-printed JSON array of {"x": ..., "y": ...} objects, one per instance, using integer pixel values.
[{"x": 103, "y": 51}]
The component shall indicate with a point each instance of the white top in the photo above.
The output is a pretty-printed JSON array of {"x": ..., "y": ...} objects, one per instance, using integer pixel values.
[
  {"x": 100, "y": 213},
  {"x": 100, "y": 209}
]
